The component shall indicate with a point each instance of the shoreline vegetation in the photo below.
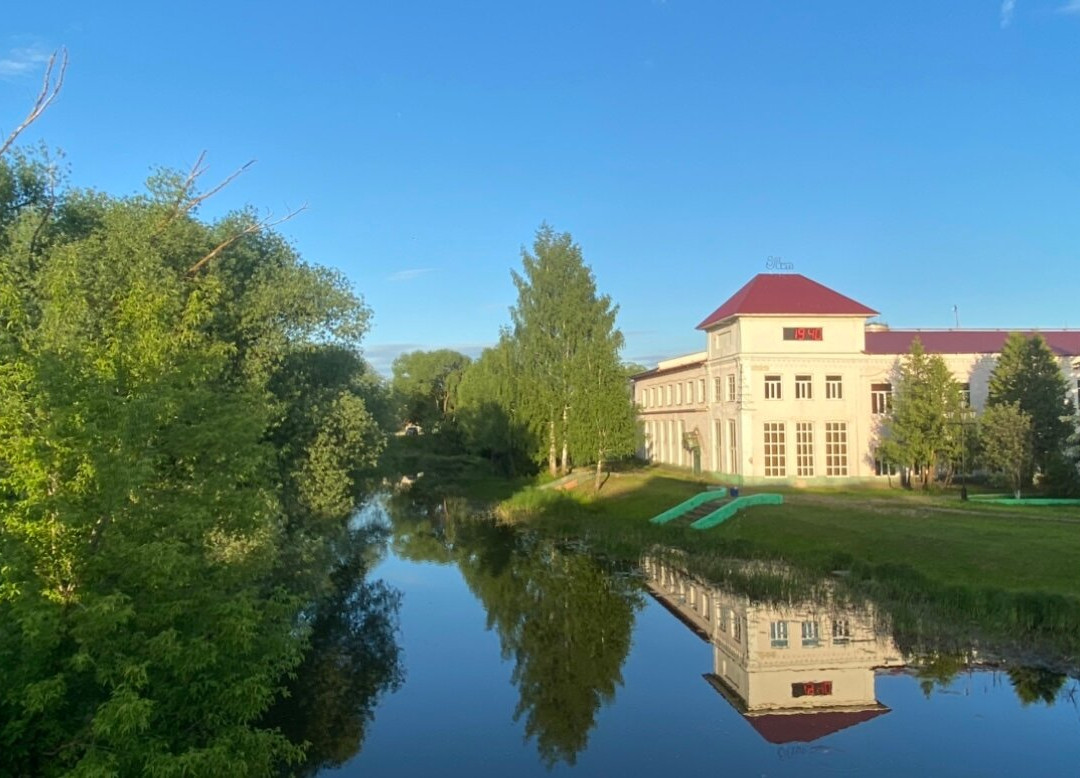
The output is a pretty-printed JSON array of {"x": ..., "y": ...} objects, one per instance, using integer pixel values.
[{"x": 950, "y": 573}]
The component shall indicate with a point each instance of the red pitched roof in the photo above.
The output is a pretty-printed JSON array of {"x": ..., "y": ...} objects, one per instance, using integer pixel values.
[
  {"x": 1064, "y": 343},
  {"x": 786, "y": 293},
  {"x": 806, "y": 727}
]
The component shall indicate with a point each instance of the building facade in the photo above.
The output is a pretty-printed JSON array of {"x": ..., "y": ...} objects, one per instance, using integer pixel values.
[{"x": 795, "y": 383}]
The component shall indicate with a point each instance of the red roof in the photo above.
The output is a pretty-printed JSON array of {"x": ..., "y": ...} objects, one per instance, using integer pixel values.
[
  {"x": 1064, "y": 343},
  {"x": 786, "y": 293},
  {"x": 806, "y": 727}
]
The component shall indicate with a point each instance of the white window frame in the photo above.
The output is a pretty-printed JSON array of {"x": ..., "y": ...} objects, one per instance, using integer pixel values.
[
  {"x": 778, "y": 634},
  {"x": 804, "y": 387},
  {"x": 880, "y": 399},
  {"x": 774, "y": 446},
  {"x": 836, "y": 449},
  {"x": 731, "y": 387},
  {"x": 804, "y": 449},
  {"x": 834, "y": 387},
  {"x": 774, "y": 387}
]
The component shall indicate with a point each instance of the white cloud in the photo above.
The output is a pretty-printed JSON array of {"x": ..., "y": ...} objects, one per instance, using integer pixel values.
[
  {"x": 1071, "y": 7},
  {"x": 409, "y": 275},
  {"x": 1007, "y": 9},
  {"x": 21, "y": 61}
]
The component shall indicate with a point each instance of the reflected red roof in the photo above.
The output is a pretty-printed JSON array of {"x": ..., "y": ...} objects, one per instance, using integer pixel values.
[
  {"x": 1061, "y": 342},
  {"x": 780, "y": 728},
  {"x": 786, "y": 293}
]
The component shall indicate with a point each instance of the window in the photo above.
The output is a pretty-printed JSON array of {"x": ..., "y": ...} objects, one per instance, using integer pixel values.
[
  {"x": 736, "y": 627},
  {"x": 678, "y": 393},
  {"x": 772, "y": 387},
  {"x": 689, "y": 392},
  {"x": 716, "y": 389},
  {"x": 775, "y": 450},
  {"x": 667, "y": 391},
  {"x": 880, "y": 399},
  {"x": 733, "y": 461},
  {"x": 804, "y": 449},
  {"x": 881, "y": 467},
  {"x": 701, "y": 390},
  {"x": 811, "y": 634},
  {"x": 778, "y": 634},
  {"x": 731, "y": 387},
  {"x": 804, "y": 388},
  {"x": 965, "y": 395},
  {"x": 655, "y": 397},
  {"x": 834, "y": 387},
  {"x": 722, "y": 617},
  {"x": 835, "y": 448},
  {"x": 841, "y": 631}
]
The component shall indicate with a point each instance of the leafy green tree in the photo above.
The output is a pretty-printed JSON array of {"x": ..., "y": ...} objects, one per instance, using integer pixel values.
[
  {"x": 1005, "y": 437},
  {"x": 569, "y": 349},
  {"x": 183, "y": 435},
  {"x": 921, "y": 430},
  {"x": 1028, "y": 374},
  {"x": 426, "y": 384},
  {"x": 1036, "y": 684}
]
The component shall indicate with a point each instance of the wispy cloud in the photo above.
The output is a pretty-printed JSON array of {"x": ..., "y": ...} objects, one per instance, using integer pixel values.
[
  {"x": 1071, "y": 7},
  {"x": 1008, "y": 7},
  {"x": 409, "y": 275},
  {"x": 22, "y": 61}
]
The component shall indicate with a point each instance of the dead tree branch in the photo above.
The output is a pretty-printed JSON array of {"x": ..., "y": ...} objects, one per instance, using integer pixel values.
[
  {"x": 50, "y": 88},
  {"x": 185, "y": 202},
  {"x": 251, "y": 229}
]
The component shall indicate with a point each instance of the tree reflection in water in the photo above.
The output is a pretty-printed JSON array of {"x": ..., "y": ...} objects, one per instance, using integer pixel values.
[
  {"x": 564, "y": 618},
  {"x": 353, "y": 659}
]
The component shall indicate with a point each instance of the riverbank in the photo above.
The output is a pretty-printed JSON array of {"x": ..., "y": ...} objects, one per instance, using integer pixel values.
[{"x": 873, "y": 533}]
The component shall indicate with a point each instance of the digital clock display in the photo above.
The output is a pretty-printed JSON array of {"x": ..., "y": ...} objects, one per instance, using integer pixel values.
[{"x": 802, "y": 333}]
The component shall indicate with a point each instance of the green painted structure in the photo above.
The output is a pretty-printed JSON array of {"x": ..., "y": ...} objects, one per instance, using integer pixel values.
[
  {"x": 725, "y": 512},
  {"x": 688, "y": 505}
]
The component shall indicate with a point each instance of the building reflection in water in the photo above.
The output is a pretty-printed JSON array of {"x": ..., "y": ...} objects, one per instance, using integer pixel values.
[{"x": 796, "y": 671}]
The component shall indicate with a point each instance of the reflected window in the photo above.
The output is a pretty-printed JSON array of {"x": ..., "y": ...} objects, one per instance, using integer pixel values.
[
  {"x": 811, "y": 634},
  {"x": 841, "y": 631},
  {"x": 778, "y": 634}
]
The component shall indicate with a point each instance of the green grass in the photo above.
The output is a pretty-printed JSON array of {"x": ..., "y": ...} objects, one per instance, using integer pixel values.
[{"x": 938, "y": 538}]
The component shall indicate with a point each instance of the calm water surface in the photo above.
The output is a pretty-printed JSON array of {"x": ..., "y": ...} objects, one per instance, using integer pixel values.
[{"x": 525, "y": 658}]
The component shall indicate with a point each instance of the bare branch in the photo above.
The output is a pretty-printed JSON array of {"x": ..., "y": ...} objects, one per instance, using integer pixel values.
[
  {"x": 258, "y": 226},
  {"x": 182, "y": 205},
  {"x": 50, "y": 88}
]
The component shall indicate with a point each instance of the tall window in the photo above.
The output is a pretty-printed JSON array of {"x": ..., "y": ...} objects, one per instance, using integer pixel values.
[
  {"x": 733, "y": 450},
  {"x": 834, "y": 387},
  {"x": 775, "y": 449},
  {"x": 811, "y": 633},
  {"x": 778, "y": 634},
  {"x": 716, "y": 389},
  {"x": 689, "y": 392},
  {"x": 804, "y": 387},
  {"x": 772, "y": 387},
  {"x": 678, "y": 393},
  {"x": 965, "y": 395},
  {"x": 736, "y": 627},
  {"x": 701, "y": 390},
  {"x": 731, "y": 387},
  {"x": 835, "y": 448},
  {"x": 718, "y": 447},
  {"x": 880, "y": 398},
  {"x": 667, "y": 391},
  {"x": 804, "y": 449}
]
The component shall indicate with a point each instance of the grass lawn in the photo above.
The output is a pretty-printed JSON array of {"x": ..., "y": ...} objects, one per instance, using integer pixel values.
[{"x": 949, "y": 542}]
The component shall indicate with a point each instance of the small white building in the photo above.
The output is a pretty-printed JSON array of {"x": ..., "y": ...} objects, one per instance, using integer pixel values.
[{"x": 795, "y": 382}]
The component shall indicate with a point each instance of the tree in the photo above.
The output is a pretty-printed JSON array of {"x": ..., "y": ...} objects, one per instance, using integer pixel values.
[
  {"x": 183, "y": 437},
  {"x": 920, "y": 431},
  {"x": 1005, "y": 435},
  {"x": 426, "y": 383},
  {"x": 1027, "y": 374},
  {"x": 569, "y": 350}
]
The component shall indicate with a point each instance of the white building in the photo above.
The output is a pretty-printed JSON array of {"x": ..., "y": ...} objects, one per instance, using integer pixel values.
[{"x": 794, "y": 384}]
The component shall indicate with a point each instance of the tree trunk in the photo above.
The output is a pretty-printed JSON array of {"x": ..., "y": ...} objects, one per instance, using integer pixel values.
[
  {"x": 551, "y": 448},
  {"x": 565, "y": 461},
  {"x": 599, "y": 471}
]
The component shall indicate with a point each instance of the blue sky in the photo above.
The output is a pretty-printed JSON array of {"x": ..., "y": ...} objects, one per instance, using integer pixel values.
[{"x": 914, "y": 156}]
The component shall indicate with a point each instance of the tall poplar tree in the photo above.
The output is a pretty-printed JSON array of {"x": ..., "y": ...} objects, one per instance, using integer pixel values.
[
  {"x": 569, "y": 349},
  {"x": 1028, "y": 375}
]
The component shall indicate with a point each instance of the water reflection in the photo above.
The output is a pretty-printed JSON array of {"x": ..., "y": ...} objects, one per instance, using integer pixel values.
[
  {"x": 796, "y": 671},
  {"x": 563, "y": 618}
]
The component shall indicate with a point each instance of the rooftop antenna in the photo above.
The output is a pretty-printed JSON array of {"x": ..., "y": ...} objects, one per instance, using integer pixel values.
[{"x": 956, "y": 313}]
